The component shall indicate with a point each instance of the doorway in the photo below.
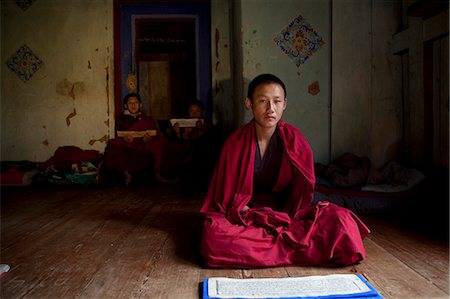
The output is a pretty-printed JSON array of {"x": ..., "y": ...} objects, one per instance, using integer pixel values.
[
  {"x": 160, "y": 45},
  {"x": 166, "y": 65}
]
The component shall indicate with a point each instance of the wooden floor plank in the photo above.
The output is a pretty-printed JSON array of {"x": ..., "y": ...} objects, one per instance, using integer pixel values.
[
  {"x": 83, "y": 236},
  {"x": 24, "y": 224},
  {"x": 137, "y": 254},
  {"x": 429, "y": 256},
  {"x": 175, "y": 273},
  {"x": 41, "y": 250},
  {"x": 394, "y": 279},
  {"x": 111, "y": 238},
  {"x": 306, "y": 271},
  {"x": 144, "y": 242},
  {"x": 276, "y": 272}
]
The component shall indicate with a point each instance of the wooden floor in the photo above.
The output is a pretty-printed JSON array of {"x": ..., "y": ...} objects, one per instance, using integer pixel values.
[{"x": 142, "y": 242}]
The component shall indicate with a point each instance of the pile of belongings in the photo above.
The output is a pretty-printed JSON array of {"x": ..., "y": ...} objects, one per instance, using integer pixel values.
[
  {"x": 71, "y": 165},
  {"x": 351, "y": 171}
]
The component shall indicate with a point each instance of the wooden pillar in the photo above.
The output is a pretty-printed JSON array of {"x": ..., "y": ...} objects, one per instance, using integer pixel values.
[
  {"x": 441, "y": 102},
  {"x": 415, "y": 130}
]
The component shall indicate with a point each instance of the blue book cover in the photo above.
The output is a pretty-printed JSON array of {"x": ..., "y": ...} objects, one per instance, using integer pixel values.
[{"x": 358, "y": 287}]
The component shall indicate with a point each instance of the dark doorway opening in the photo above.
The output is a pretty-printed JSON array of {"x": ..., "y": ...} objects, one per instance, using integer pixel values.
[{"x": 167, "y": 65}]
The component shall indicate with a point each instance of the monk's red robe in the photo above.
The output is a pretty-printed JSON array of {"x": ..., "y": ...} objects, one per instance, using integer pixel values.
[
  {"x": 300, "y": 234},
  {"x": 137, "y": 155}
]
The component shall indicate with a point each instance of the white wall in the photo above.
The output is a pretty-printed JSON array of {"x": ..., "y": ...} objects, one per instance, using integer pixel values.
[
  {"x": 386, "y": 94},
  {"x": 351, "y": 80},
  {"x": 261, "y": 22},
  {"x": 366, "y": 109},
  {"x": 69, "y": 101}
]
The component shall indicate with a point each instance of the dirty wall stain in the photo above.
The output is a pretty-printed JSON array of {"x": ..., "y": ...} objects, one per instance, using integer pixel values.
[
  {"x": 72, "y": 114},
  {"x": 70, "y": 89},
  {"x": 104, "y": 139},
  {"x": 217, "y": 65},
  {"x": 218, "y": 87},
  {"x": 217, "y": 38}
]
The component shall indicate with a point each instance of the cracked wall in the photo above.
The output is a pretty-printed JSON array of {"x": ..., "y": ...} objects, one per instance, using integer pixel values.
[{"x": 67, "y": 101}]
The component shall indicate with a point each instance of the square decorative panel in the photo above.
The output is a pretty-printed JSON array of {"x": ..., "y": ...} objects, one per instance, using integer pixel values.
[
  {"x": 24, "y": 63},
  {"x": 299, "y": 41},
  {"x": 24, "y": 4}
]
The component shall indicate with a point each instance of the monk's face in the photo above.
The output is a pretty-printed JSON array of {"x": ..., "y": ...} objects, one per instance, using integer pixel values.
[
  {"x": 133, "y": 105},
  {"x": 195, "y": 111},
  {"x": 268, "y": 104}
]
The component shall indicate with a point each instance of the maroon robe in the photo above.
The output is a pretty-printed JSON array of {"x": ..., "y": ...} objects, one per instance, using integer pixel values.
[
  {"x": 299, "y": 234},
  {"x": 136, "y": 155}
]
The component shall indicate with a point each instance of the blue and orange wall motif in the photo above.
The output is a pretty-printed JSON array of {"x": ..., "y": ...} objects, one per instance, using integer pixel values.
[{"x": 299, "y": 41}]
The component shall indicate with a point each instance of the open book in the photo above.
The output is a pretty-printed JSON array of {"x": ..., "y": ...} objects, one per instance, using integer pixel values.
[
  {"x": 136, "y": 134},
  {"x": 185, "y": 122},
  {"x": 326, "y": 286}
]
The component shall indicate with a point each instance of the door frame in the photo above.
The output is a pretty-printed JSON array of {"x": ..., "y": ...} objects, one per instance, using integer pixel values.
[{"x": 126, "y": 11}]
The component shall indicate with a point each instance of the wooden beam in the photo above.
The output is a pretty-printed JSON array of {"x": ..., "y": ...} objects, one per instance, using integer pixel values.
[
  {"x": 432, "y": 28},
  {"x": 435, "y": 26},
  {"x": 416, "y": 91},
  {"x": 400, "y": 42}
]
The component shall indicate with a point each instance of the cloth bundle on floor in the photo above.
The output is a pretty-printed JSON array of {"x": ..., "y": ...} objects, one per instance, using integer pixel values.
[{"x": 71, "y": 165}]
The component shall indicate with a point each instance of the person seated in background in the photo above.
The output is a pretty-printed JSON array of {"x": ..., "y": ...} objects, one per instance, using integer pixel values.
[
  {"x": 137, "y": 149},
  {"x": 258, "y": 208},
  {"x": 192, "y": 131},
  {"x": 196, "y": 144}
]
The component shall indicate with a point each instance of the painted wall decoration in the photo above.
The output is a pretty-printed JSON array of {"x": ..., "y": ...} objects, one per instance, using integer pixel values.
[
  {"x": 24, "y": 63},
  {"x": 314, "y": 88},
  {"x": 299, "y": 41},
  {"x": 24, "y": 4},
  {"x": 131, "y": 83}
]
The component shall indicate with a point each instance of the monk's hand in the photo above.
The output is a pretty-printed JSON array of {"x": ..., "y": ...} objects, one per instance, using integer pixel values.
[
  {"x": 147, "y": 137},
  {"x": 245, "y": 209},
  {"x": 128, "y": 138},
  {"x": 176, "y": 128},
  {"x": 199, "y": 124}
]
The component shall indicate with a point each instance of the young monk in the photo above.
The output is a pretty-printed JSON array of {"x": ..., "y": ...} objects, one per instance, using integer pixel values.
[
  {"x": 189, "y": 134},
  {"x": 258, "y": 210},
  {"x": 202, "y": 144},
  {"x": 133, "y": 156}
]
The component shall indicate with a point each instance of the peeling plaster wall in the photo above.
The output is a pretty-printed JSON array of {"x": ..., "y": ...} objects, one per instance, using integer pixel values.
[
  {"x": 356, "y": 105},
  {"x": 386, "y": 95},
  {"x": 222, "y": 89},
  {"x": 261, "y": 22},
  {"x": 366, "y": 81},
  {"x": 68, "y": 101}
]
